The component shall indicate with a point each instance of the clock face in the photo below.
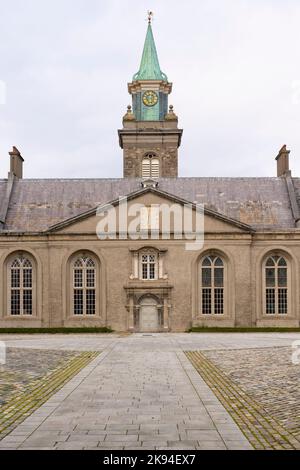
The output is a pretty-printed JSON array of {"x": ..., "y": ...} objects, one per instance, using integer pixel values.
[{"x": 150, "y": 98}]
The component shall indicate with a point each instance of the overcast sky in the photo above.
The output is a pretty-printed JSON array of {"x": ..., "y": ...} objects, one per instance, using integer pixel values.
[{"x": 235, "y": 66}]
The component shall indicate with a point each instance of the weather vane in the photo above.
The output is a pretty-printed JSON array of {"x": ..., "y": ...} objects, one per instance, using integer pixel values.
[{"x": 150, "y": 16}]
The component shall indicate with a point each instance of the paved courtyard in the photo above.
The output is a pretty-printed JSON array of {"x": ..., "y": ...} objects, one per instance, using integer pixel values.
[{"x": 143, "y": 391}]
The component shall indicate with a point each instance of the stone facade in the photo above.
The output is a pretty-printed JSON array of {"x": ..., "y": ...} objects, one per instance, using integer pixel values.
[
  {"x": 56, "y": 272},
  {"x": 176, "y": 288}
]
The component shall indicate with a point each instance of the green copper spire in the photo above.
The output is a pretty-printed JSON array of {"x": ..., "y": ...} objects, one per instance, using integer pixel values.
[{"x": 149, "y": 68}]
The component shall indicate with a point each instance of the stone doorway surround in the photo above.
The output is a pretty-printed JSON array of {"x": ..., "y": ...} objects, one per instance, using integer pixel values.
[{"x": 159, "y": 293}]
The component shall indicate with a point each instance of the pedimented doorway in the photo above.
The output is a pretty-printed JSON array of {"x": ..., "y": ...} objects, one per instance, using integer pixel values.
[{"x": 149, "y": 317}]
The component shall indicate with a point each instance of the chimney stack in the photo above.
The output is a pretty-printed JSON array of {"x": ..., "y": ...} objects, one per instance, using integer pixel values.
[
  {"x": 16, "y": 163},
  {"x": 283, "y": 167}
]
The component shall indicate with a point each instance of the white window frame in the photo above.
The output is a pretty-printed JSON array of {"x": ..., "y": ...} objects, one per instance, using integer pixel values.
[
  {"x": 20, "y": 260},
  {"x": 213, "y": 288},
  {"x": 276, "y": 287},
  {"x": 148, "y": 254},
  {"x": 84, "y": 287}
]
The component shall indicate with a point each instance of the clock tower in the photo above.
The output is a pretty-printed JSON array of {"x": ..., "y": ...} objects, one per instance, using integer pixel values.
[{"x": 150, "y": 137}]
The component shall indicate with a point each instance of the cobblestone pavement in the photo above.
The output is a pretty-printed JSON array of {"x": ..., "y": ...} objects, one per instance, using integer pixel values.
[
  {"x": 24, "y": 366},
  {"x": 140, "y": 392},
  {"x": 29, "y": 377},
  {"x": 269, "y": 377}
]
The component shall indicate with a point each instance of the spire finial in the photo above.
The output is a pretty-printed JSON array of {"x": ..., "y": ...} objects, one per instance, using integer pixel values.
[
  {"x": 150, "y": 16},
  {"x": 150, "y": 68}
]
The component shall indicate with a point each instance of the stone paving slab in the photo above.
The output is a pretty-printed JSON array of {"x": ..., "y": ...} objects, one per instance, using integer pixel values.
[
  {"x": 142, "y": 387},
  {"x": 136, "y": 394},
  {"x": 179, "y": 341}
]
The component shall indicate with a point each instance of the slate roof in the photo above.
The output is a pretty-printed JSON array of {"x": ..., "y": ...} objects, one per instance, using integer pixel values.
[{"x": 37, "y": 204}]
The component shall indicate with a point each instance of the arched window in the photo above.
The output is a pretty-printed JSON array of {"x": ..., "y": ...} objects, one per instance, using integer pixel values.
[
  {"x": 84, "y": 286},
  {"x": 150, "y": 166},
  {"x": 20, "y": 286},
  {"x": 148, "y": 266},
  {"x": 276, "y": 285},
  {"x": 212, "y": 285}
]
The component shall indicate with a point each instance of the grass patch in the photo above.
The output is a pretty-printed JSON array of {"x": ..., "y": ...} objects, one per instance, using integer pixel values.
[
  {"x": 200, "y": 329},
  {"x": 54, "y": 331}
]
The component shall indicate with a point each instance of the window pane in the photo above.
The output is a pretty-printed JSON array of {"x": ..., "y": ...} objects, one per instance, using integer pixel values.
[
  {"x": 206, "y": 277},
  {"x": 145, "y": 271},
  {"x": 90, "y": 302},
  {"x": 218, "y": 262},
  {"x": 15, "y": 263},
  {"x": 206, "y": 301},
  {"x": 148, "y": 266},
  {"x": 270, "y": 277},
  {"x": 219, "y": 301},
  {"x": 27, "y": 278},
  {"x": 270, "y": 301},
  {"x": 27, "y": 302},
  {"x": 270, "y": 262},
  {"x": 282, "y": 301},
  {"x": 219, "y": 277},
  {"x": 90, "y": 278},
  {"x": 15, "y": 278},
  {"x": 26, "y": 263},
  {"x": 89, "y": 263},
  {"x": 78, "y": 278},
  {"x": 282, "y": 277},
  {"x": 206, "y": 261},
  {"x": 151, "y": 271},
  {"x": 282, "y": 262},
  {"x": 15, "y": 307},
  {"x": 78, "y": 302},
  {"x": 78, "y": 263}
]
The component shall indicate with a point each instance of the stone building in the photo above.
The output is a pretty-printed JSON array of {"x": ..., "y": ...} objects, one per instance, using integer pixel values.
[{"x": 55, "y": 271}]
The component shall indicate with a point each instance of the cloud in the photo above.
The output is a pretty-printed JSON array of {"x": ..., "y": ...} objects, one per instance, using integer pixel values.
[{"x": 235, "y": 67}]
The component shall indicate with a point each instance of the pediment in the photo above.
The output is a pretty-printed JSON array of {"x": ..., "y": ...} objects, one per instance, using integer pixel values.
[{"x": 87, "y": 222}]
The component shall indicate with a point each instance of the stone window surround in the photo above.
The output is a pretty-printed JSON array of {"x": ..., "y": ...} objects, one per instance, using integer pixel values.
[
  {"x": 69, "y": 290},
  {"x": 7, "y": 289},
  {"x": 263, "y": 284},
  {"x": 136, "y": 263},
  {"x": 225, "y": 285},
  {"x": 84, "y": 265},
  {"x": 212, "y": 288},
  {"x": 229, "y": 315}
]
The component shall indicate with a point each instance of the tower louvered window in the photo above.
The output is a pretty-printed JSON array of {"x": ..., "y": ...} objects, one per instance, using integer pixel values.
[{"x": 150, "y": 166}]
